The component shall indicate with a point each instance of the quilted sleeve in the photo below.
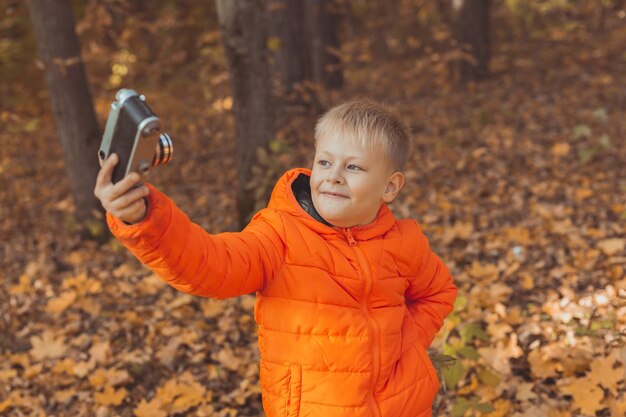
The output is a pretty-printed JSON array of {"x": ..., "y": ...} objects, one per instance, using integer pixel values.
[
  {"x": 196, "y": 262},
  {"x": 431, "y": 292}
]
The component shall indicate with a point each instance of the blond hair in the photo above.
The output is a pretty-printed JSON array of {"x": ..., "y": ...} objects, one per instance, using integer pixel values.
[{"x": 371, "y": 124}]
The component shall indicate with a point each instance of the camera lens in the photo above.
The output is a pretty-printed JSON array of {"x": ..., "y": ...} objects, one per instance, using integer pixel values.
[{"x": 164, "y": 150}]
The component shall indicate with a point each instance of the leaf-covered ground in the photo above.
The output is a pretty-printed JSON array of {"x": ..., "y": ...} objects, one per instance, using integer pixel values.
[{"x": 520, "y": 183}]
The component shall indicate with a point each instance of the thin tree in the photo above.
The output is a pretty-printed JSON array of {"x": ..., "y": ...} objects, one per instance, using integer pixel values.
[
  {"x": 59, "y": 54},
  {"x": 290, "y": 45},
  {"x": 244, "y": 37},
  {"x": 323, "y": 19},
  {"x": 470, "y": 26}
]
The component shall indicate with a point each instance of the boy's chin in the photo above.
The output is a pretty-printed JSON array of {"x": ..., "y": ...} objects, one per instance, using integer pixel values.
[{"x": 338, "y": 221}]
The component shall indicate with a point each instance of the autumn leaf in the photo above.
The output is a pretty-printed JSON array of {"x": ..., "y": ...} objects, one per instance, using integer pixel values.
[
  {"x": 501, "y": 408},
  {"x": 110, "y": 396},
  {"x": 612, "y": 247},
  {"x": 14, "y": 399},
  {"x": 583, "y": 193},
  {"x": 212, "y": 308},
  {"x": 100, "y": 351},
  {"x": 6, "y": 375},
  {"x": 618, "y": 407},
  {"x": 180, "y": 394},
  {"x": 64, "y": 366},
  {"x": 587, "y": 396},
  {"x": 149, "y": 409},
  {"x": 167, "y": 353},
  {"x": 560, "y": 149},
  {"x": 487, "y": 272},
  {"x": 82, "y": 368},
  {"x": 47, "y": 346},
  {"x": 228, "y": 359},
  {"x": 63, "y": 396},
  {"x": 604, "y": 373},
  {"x": 524, "y": 392},
  {"x": 459, "y": 230},
  {"x": 498, "y": 357},
  {"x": 111, "y": 377},
  {"x": 23, "y": 287},
  {"x": 541, "y": 364}
]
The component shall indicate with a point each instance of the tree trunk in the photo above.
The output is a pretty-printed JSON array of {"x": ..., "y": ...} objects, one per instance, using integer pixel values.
[
  {"x": 244, "y": 38},
  {"x": 59, "y": 53},
  {"x": 291, "y": 47},
  {"x": 470, "y": 25},
  {"x": 323, "y": 27}
]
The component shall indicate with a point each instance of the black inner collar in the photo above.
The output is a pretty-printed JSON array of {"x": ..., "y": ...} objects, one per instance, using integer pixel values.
[{"x": 301, "y": 188}]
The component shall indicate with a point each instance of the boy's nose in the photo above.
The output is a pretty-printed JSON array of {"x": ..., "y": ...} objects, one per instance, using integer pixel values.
[
  {"x": 334, "y": 175},
  {"x": 333, "y": 178}
]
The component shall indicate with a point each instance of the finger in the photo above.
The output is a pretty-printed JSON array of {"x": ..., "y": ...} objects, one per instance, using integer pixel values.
[
  {"x": 128, "y": 199},
  {"x": 134, "y": 212},
  {"x": 125, "y": 185},
  {"x": 104, "y": 176}
]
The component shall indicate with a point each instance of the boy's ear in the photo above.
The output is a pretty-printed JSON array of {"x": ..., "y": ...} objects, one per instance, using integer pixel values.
[{"x": 393, "y": 187}]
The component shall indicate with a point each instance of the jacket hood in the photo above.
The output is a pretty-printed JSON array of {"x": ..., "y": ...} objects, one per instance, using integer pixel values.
[{"x": 284, "y": 199}]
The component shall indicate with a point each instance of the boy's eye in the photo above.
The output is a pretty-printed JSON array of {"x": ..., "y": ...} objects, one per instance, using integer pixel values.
[
  {"x": 353, "y": 167},
  {"x": 323, "y": 163}
]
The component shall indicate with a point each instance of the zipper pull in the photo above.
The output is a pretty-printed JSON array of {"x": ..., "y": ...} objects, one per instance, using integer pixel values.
[{"x": 350, "y": 238}]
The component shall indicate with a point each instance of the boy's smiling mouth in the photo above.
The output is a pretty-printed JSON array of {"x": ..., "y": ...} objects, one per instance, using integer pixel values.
[{"x": 333, "y": 194}]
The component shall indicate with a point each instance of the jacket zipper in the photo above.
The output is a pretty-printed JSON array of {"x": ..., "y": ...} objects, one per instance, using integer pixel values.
[{"x": 373, "y": 325}]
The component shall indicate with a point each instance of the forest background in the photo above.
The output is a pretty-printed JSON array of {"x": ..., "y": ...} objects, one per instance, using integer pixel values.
[{"x": 517, "y": 177}]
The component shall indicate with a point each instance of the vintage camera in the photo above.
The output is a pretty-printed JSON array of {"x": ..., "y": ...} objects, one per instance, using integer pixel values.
[{"x": 134, "y": 133}]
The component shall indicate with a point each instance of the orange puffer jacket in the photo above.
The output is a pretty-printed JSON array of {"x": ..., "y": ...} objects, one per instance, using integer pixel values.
[{"x": 344, "y": 315}]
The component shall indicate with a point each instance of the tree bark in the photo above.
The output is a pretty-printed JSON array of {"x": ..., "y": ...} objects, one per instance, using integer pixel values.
[
  {"x": 244, "y": 37},
  {"x": 292, "y": 51},
  {"x": 323, "y": 27},
  {"x": 470, "y": 26},
  {"x": 59, "y": 53}
]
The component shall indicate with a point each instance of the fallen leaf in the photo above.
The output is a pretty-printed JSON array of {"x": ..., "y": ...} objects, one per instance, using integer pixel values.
[
  {"x": 228, "y": 359},
  {"x": 524, "y": 392},
  {"x": 100, "y": 351},
  {"x": 167, "y": 354},
  {"x": 82, "y": 368},
  {"x": 23, "y": 287},
  {"x": 8, "y": 374},
  {"x": 560, "y": 149},
  {"x": 109, "y": 377},
  {"x": 487, "y": 272},
  {"x": 498, "y": 356},
  {"x": 110, "y": 396},
  {"x": 603, "y": 373},
  {"x": 586, "y": 395},
  {"x": 501, "y": 408},
  {"x": 47, "y": 346},
  {"x": 541, "y": 364},
  {"x": 178, "y": 395},
  {"x": 212, "y": 308},
  {"x": 149, "y": 409},
  {"x": 618, "y": 407},
  {"x": 63, "y": 396},
  {"x": 459, "y": 230},
  {"x": 612, "y": 247},
  {"x": 583, "y": 194}
]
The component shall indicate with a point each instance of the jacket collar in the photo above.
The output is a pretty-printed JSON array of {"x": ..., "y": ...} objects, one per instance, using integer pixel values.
[{"x": 283, "y": 199}]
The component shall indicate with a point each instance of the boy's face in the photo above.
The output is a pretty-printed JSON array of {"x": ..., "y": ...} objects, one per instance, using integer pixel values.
[{"x": 349, "y": 182}]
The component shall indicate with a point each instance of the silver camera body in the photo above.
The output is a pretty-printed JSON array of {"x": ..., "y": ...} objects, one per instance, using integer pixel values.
[{"x": 134, "y": 133}]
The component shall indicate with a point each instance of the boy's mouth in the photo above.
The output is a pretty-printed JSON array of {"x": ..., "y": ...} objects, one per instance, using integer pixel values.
[{"x": 333, "y": 195}]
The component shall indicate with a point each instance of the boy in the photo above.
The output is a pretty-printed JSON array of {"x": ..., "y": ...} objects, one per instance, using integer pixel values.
[{"x": 348, "y": 297}]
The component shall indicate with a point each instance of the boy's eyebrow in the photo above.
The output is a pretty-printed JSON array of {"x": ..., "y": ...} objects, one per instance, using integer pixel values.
[{"x": 346, "y": 156}]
